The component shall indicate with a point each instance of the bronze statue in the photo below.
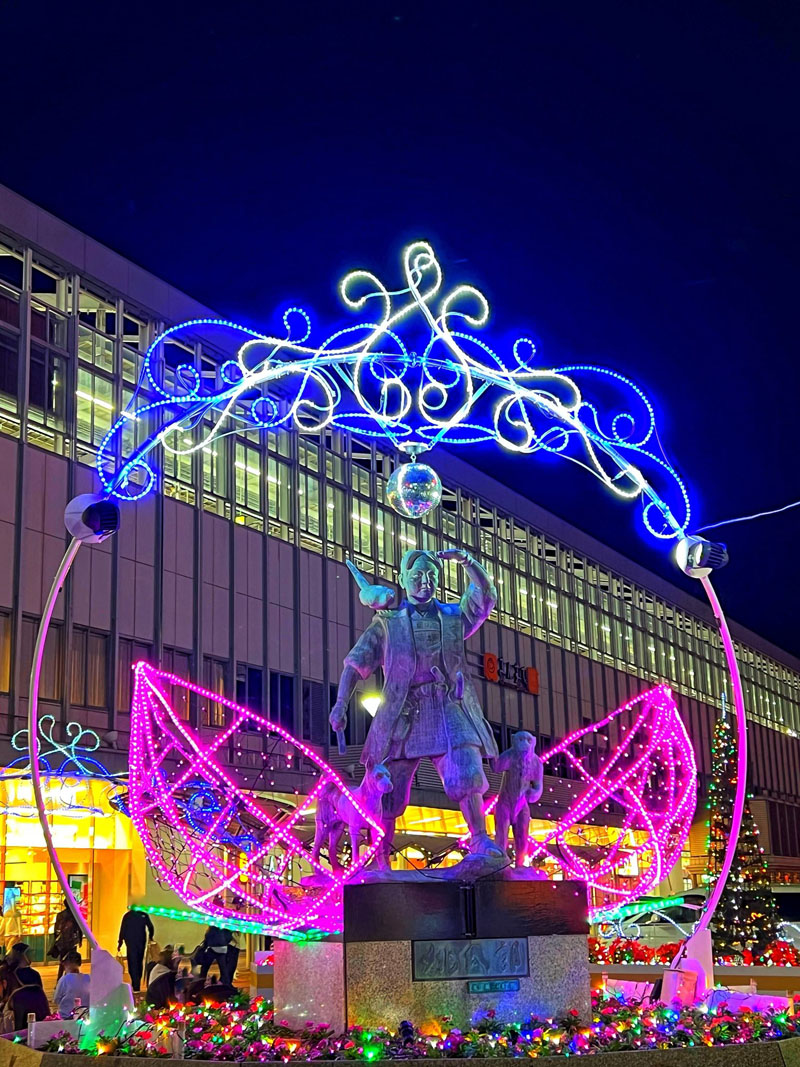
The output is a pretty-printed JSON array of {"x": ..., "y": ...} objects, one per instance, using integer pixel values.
[{"x": 430, "y": 707}]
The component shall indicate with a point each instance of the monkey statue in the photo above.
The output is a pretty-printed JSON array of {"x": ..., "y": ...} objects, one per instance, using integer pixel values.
[{"x": 521, "y": 786}]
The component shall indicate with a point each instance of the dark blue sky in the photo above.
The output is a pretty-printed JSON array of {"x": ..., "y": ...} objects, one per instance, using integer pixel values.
[{"x": 620, "y": 179}]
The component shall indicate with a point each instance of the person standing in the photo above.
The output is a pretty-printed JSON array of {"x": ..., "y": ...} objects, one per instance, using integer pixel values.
[
  {"x": 11, "y": 926},
  {"x": 136, "y": 929},
  {"x": 215, "y": 950},
  {"x": 67, "y": 936}
]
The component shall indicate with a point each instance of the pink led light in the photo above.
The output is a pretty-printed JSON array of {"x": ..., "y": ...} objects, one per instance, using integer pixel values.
[
  {"x": 651, "y": 774},
  {"x": 229, "y": 859}
]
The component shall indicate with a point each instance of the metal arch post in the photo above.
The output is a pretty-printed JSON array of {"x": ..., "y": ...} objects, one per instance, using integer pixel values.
[
  {"x": 33, "y": 734},
  {"x": 741, "y": 756}
]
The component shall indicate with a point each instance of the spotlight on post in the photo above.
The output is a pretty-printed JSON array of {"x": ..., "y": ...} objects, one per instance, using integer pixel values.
[
  {"x": 698, "y": 558},
  {"x": 370, "y": 702},
  {"x": 91, "y": 518}
]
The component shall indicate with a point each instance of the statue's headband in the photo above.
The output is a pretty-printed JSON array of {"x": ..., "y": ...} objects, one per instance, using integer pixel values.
[{"x": 413, "y": 554}]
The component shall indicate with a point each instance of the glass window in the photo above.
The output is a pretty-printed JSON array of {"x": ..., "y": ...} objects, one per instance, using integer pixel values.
[
  {"x": 215, "y": 465},
  {"x": 308, "y": 454},
  {"x": 96, "y": 670},
  {"x": 94, "y": 405},
  {"x": 77, "y": 684},
  {"x": 134, "y": 331},
  {"x": 281, "y": 699},
  {"x": 93, "y": 348},
  {"x": 215, "y": 673},
  {"x": 178, "y": 460},
  {"x": 278, "y": 483},
  {"x": 308, "y": 499},
  {"x": 131, "y": 365},
  {"x": 523, "y": 600},
  {"x": 384, "y": 529},
  {"x": 505, "y": 599},
  {"x": 334, "y": 451},
  {"x": 280, "y": 441},
  {"x": 5, "y": 652},
  {"x": 250, "y": 687},
  {"x": 9, "y": 306},
  {"x": 48, "y": 286},
  {"x": 48, "y": 326},
  {"x": 314, "y": 711},
  {"x": 89, "y": 669},
  {"x": 46, "y": 389},
  {"x": 335, "y": 516},
  {"x": 407, "y": 535},
  {"x": 11, "y": 266},
  {"x": 130, "y": 652},
  {"x": 180, "y": 664},
  {"x": 9, "y": 370},
  {"x": 362, "y": 527},
  {"x": 96, "y": 312},
  {"x": 50, "y": 679},
  {"x": 247, "y": 466}
]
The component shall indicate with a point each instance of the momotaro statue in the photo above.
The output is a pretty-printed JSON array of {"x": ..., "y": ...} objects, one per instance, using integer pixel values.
[
  {"x": 430, "y": 707},
  {"x": 521, "y": 786}
]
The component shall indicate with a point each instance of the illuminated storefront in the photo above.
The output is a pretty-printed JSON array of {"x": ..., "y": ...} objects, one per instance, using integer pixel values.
[{"x": 94, "y": 841}]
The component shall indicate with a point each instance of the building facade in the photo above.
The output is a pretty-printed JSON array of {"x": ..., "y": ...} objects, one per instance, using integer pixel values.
[{"x": 233, "y": 574}]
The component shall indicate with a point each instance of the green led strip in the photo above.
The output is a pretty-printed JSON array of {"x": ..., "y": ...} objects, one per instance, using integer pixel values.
[
  {"x": 239, "y": 925},
  {"x": 635, "y": 909}
]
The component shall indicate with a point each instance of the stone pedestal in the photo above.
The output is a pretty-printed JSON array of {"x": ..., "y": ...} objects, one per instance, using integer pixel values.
[
  {"x": 419, "y": 951},
  {"x": 309, "y": 983},
  {"x": 381, "y": 990}
]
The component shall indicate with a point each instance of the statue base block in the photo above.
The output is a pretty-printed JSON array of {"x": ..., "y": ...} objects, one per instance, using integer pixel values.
[
  {"x": 418, "y": 951},
  {"x": 309, "y": 983}
]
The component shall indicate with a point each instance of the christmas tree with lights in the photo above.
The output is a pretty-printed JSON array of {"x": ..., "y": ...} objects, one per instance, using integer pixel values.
[{"x": 747, "y": 917}]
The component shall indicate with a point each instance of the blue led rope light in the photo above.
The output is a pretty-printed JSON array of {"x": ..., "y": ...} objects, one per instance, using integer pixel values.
[{"x": 364, "y": 378}]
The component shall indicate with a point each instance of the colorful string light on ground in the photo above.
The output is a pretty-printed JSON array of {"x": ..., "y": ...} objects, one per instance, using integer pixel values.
[
  {"x": 626, "y": 950},
  {"x": 437, "y": 385},
  {"x": 240, "y": 860},
  {"x": 247, "y": 1030},
  {"x": 647, "y": 770}
]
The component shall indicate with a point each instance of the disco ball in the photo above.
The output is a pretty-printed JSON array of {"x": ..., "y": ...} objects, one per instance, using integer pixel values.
[{"x": 414, "y": 489}]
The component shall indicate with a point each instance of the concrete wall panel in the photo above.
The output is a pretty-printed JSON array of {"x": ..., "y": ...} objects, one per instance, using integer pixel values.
[
  {"x": 8, "y": 465},
  {"x": 255, "y": 632},
  {"x": 168, "y": 608},
  {"x": 100, "y": 605},
  {"x": 144, "y": 595},
  {"x": 184, "y": 612}
]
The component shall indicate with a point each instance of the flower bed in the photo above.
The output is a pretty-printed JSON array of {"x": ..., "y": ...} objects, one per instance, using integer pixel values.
[
  {"x": 621, "y": 950},
  {"x": 247, "y": 1030}
]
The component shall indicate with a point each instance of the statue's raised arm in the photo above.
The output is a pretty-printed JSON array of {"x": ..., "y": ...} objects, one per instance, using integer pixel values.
[{"x": 480, "y": 596}]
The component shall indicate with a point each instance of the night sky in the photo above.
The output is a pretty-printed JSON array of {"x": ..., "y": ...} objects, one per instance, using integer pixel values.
[{"x": 620, "y": 179}]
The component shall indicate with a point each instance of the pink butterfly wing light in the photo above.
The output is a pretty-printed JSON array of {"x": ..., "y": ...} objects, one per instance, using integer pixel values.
[
  {"x": 649, "y": 775},
  {"x": 226, "y": 850}
]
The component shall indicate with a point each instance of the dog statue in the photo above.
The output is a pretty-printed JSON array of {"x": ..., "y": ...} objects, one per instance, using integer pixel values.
[
  {"x": 523, "y": 781},
  {"x": 336, "y": 812}
]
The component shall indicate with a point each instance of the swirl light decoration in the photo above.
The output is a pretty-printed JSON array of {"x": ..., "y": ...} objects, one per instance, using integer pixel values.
[
  {"x": 436, "y": 385},
  {"x": 649, "y": 775},
  {"x": 228, "y": 851}
]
